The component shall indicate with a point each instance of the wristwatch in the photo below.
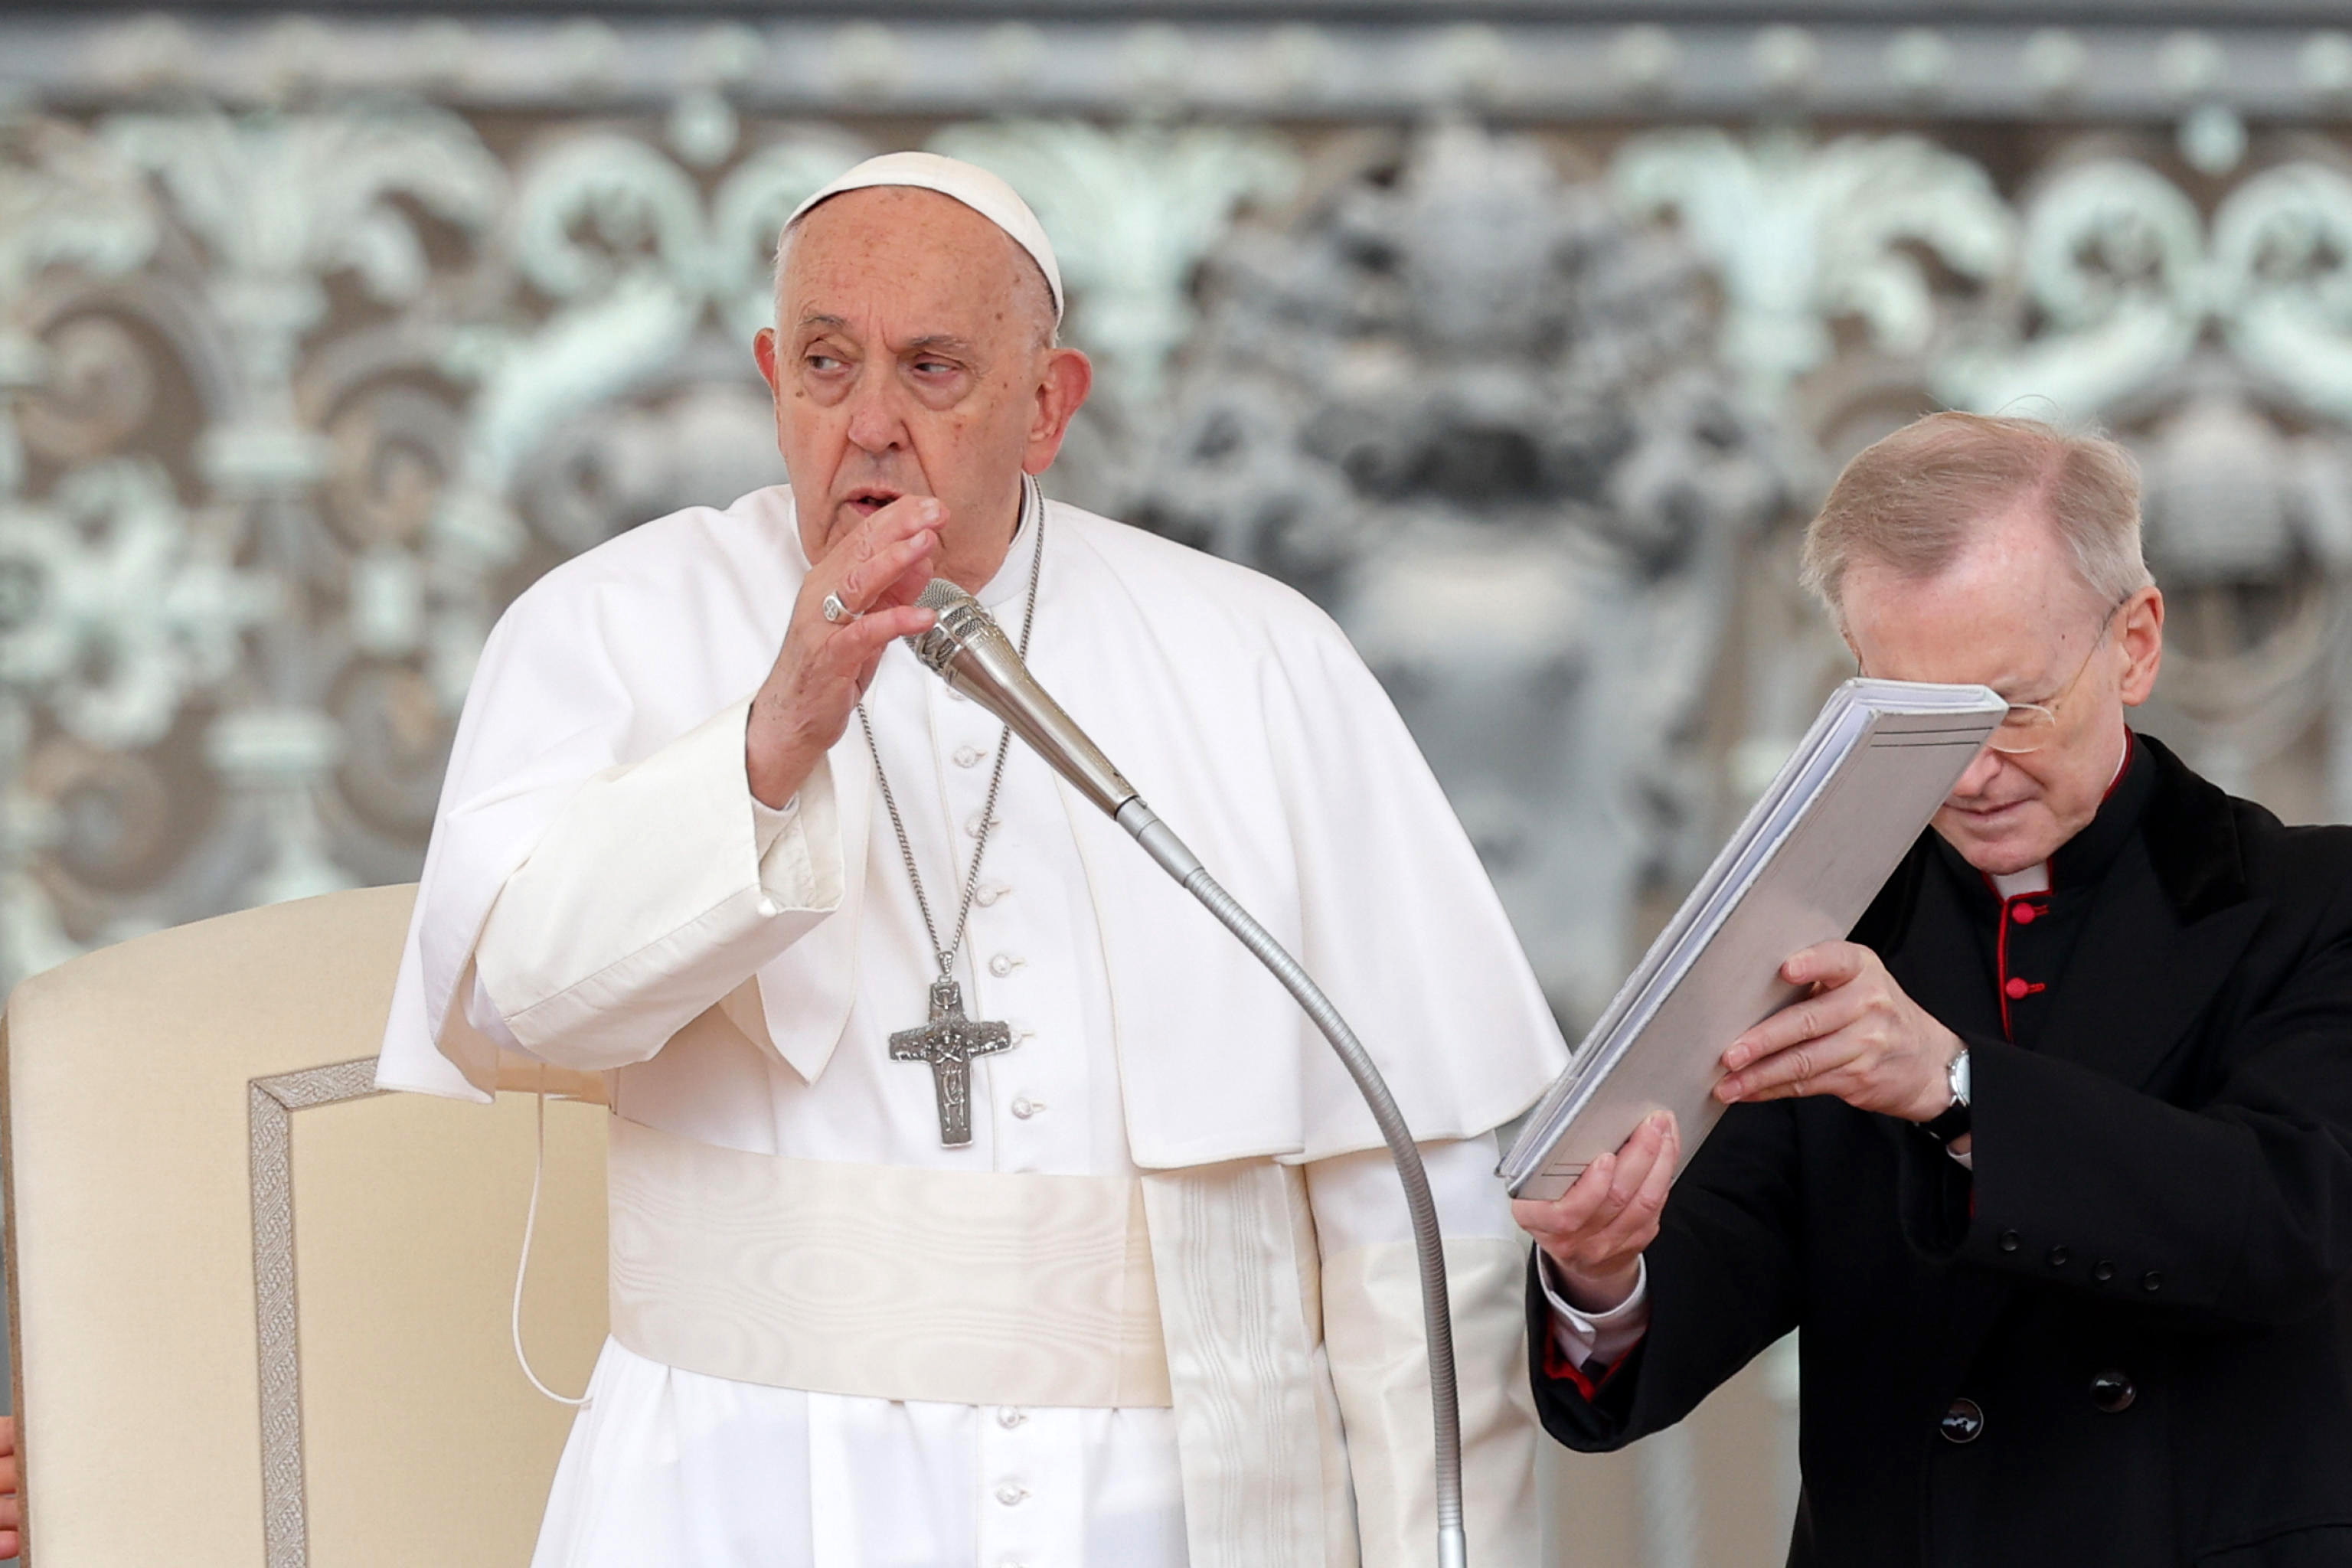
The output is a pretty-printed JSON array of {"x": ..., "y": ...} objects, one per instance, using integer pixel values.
[{"x": 1955, "y": 1118}]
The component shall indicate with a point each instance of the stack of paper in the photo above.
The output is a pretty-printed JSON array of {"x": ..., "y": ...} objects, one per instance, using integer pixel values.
[{"x": 1801, "y": 869}]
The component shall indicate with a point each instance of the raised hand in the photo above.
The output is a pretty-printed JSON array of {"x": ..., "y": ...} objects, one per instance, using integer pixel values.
[
  {"x": 874, "y": 572},
  {"x": 1596, "y": 1232},
  {"x": 1857, "y": 1035}
]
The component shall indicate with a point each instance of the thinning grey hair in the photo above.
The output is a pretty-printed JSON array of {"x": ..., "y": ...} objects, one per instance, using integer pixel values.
[
  {"x": 1913, "y": 501},
  {"x": 1049, "y": 330}
]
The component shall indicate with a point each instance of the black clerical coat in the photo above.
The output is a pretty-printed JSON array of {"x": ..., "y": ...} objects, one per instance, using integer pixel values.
[{"x": 2127, "y": 1339}]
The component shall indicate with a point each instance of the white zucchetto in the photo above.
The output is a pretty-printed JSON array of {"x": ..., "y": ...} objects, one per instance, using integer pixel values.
[{"x": 975, "y": 187}]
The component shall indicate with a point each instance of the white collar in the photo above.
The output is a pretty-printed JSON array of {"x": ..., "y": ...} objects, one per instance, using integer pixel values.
[
  {"x": 2032, "y": 879},
  {"x": 1011, "y": 579}
]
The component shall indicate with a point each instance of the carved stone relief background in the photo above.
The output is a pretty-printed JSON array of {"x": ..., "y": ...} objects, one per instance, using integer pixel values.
[
  {"x": 1475, "y": 410},
  {"x": 1524, "y": 346}
]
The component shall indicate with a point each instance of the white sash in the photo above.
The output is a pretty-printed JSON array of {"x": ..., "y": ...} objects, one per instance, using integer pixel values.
[
  {"x": 988, "y": 1288},
  {"x": 967, "y": 1288},
  {"x": 1257, "y": 1423}
]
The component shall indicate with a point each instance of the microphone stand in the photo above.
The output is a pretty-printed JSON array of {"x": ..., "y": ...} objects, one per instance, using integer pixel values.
[
  {"x": 1445, "y": 1398},
  {"x": 967, "y": 650}
]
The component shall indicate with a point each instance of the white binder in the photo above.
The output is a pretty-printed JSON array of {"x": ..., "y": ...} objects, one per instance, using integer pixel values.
[{"x": 1803, "y": 867}]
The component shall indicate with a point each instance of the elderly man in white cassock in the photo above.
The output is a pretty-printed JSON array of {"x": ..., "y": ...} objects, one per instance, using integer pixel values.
[{"x": 975, "y": 1200}]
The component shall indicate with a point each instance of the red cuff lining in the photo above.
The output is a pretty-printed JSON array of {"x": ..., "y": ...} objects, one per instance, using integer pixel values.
[{"x": 1558, "y": 1367}]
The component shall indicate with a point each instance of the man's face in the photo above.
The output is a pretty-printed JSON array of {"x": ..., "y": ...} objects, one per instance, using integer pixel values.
[
  {"x": 910, "y": 358},
  {"x": 2012, "y": 613}
]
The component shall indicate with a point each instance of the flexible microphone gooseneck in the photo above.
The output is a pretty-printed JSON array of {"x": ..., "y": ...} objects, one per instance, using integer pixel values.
[{"x": 971, "y": 652}]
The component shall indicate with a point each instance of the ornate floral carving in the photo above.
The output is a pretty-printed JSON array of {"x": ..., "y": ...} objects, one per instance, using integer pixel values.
[
  {"x": 2214, "y": 345},
  {"x": 1472, "y": 411},
  {"x": 112, "y": 610},
  {"x": 1805, "y": 234},
  {"x": 64, "y": 204},
  {"x": 293, "y": 398}
]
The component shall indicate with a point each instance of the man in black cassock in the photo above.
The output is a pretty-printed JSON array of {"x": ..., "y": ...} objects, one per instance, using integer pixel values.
[{"x": 2052, "y": 1169}]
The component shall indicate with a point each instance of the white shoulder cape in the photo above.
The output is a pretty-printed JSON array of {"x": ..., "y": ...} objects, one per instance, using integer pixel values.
[{"x": 1235, "y": 706}]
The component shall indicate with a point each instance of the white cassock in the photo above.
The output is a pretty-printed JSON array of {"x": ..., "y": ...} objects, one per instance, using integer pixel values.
[{"x": 1162, "y": 1309}]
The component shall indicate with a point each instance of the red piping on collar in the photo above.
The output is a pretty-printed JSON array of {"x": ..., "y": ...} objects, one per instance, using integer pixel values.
[{"x": 2131, "y": 744}]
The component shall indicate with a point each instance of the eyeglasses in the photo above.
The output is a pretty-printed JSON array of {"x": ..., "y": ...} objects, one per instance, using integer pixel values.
[{"x": 2029, "y": 726}]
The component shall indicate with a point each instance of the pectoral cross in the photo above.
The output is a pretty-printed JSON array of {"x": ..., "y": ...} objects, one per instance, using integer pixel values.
[{"x": 948, "y": 1042}]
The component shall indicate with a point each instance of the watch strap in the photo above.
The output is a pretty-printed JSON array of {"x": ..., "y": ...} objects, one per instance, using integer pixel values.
[
  {"x": 1950, "y": 1125},
  {"x": 1954, "y": 1120}
]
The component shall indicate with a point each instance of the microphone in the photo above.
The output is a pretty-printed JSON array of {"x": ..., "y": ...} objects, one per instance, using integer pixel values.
[{"x": 970, "y": 651}]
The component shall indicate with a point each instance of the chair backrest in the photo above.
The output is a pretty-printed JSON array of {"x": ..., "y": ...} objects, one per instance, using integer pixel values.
[{"x": 259, "y": 1311}]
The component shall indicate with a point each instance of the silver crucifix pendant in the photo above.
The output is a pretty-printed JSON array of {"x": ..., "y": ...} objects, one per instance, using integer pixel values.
[{"x": 948, "y": 1042}]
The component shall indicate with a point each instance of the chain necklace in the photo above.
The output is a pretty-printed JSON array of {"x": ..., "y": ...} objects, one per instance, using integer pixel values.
[{"x": 949, "y": 1041}]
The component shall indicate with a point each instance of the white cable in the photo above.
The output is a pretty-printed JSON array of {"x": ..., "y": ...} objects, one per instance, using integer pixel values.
[{"x": 522, "y": 1264}]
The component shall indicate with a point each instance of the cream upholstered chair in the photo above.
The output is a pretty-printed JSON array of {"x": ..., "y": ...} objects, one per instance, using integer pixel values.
[{"x": 260, "y": 1310}]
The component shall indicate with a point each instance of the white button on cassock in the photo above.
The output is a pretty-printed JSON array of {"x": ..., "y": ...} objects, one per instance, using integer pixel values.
[
  {"x": 1002, "y": 964},
  {"x": 1009, "y": 1417},
  {"x": 1010, "y": 1496},
  {"x": 1025, "y": 1107},
  {"x": 967, "y": 756}
]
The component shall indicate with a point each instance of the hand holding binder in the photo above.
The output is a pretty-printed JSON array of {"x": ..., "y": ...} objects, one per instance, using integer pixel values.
[
  {"x": 1858, "y": 1037},
  {"x": 1596, "y": 1232}
]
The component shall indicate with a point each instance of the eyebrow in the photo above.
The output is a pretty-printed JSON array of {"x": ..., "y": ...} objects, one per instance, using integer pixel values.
[{"x": 930, "y": 342}]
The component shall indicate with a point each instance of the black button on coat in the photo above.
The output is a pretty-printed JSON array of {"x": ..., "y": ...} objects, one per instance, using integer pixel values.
[{"x": 2176, "y": 1103}]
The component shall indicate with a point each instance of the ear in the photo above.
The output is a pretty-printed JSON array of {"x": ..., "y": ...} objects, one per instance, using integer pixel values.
[
  {"x": 2142, "y": 640},
  {"x": 1063, "y": 384},
  {"x": 763, "y": 350}
]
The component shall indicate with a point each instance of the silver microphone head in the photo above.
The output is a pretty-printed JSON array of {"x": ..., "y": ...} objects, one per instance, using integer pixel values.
[
  {"x": 941, "y": 594},
  {"x": 970, "y": 651},
  {"x": 962, "y": 624}
]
